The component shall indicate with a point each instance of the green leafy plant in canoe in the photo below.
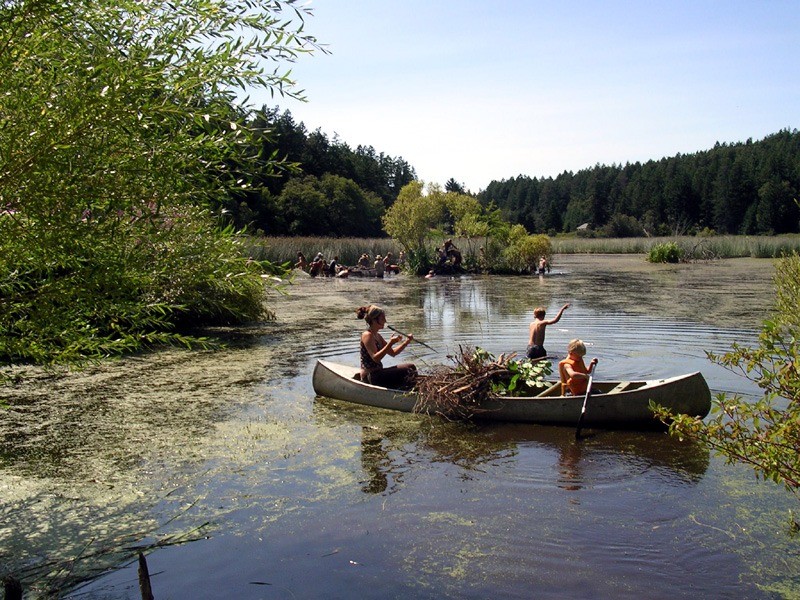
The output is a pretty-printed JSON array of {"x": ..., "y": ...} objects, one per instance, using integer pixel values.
[{"x": 516, "y": 377}]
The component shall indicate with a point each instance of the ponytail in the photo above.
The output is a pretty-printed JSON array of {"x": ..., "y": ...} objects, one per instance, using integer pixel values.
[{"x": 369, "y": 313}]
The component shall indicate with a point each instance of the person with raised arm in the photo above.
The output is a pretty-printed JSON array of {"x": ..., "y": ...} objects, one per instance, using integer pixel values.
[{"x": 537, "y": 331}]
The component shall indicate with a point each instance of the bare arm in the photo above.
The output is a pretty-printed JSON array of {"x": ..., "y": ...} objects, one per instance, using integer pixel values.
[
  {"x": 396, "y": 338},
  {"x": 557, "y": 318},
  {"x": 371, "y": 343},
  {"x": 576, "y": 374}
]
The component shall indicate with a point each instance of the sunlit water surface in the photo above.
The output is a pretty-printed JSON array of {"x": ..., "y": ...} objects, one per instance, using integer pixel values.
[{"x": 284, "y": 495}]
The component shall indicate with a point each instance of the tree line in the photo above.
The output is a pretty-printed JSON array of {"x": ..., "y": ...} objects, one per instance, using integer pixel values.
[
  {"x": 323, "y": 188},
  {"x": 741, "y": 188}
]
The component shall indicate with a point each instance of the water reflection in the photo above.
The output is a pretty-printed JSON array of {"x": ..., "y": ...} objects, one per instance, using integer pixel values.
[
  {"x": 631, "y": 321},
  {"x": 393, "y": 443},
  {"x": 525, "y": 455}
]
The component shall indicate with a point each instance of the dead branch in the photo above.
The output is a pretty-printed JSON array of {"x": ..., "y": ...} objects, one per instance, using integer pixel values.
[{"x": 458, "y": 392}]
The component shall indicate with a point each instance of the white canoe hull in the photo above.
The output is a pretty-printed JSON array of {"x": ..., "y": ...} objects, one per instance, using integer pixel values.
[{"x": 623, "y": 404}]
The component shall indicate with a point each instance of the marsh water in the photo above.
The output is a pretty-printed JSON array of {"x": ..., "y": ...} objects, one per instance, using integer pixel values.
[{"x": 240, "y": 483}]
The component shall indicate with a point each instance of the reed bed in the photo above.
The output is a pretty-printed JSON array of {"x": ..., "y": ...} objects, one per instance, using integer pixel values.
[
  {"x": 693, "y": 247},
  {"x": 284, "y": 249}
]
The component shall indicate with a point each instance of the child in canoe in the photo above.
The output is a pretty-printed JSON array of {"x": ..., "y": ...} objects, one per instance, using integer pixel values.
[
  {"x": 537, "y": 329},
  {"x": 374, "y": 348},
  {"x": 573, "y": 370}
]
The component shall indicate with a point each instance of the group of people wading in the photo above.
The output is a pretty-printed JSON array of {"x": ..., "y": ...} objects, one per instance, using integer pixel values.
[
  {"x": 365, "y": 267},
  {"x": 374, "y": 348}
]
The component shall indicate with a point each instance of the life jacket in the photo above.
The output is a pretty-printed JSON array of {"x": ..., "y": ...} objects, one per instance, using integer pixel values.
[{"x": 575, "y": 385}]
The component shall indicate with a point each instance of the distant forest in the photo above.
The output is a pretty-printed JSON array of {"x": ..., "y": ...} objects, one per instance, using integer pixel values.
[
  {"x": 744, "y": 188},
  {"x": 324, "y": 188},
  {"x": 327, "y": 188}
]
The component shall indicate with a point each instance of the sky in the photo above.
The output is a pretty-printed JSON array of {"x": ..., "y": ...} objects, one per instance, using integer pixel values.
[{"x": 487, "y": 90}]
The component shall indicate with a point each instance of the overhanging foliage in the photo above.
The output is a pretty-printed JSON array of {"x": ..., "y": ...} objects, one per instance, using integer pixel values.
[{"x": 117, "y": 127}]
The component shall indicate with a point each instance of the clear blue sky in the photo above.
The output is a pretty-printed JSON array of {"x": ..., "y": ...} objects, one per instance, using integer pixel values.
[{"x": 484, "y": 90}]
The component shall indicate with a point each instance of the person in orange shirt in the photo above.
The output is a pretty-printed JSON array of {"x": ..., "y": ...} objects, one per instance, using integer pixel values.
[{"x": 574, "y": 369}]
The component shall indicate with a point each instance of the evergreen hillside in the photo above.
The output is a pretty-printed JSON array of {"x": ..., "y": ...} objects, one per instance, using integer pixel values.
[
  {"x": 743, "y": 188},
  {"x": 327, "y": 188}
]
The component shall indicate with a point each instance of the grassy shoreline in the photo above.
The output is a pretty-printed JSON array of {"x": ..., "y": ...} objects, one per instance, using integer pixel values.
[
  {"x": 717, "y": 246},
  {"x": 285, "y": 249}
]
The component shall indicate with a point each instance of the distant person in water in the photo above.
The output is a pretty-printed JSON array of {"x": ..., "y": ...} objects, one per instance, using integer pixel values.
[
  {"x": 364, "y": 261},
  {"x": 537, "y": 331},
  {"x": 573, "y": 370},
  {"x": 301, "y": 263},
  {"x": 543, "y": 265},
  {"x": 453, "y": 253},
  {"x": 317, "y": 265},
  {"x": 388, "y": 265},
  {"x": 374, "y": 348}
]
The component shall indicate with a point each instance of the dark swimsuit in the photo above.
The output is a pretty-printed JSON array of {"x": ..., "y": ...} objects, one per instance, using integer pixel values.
[
  {"x": 399, "y": 376},
  {"x": 536, "y": 351},
  {"x": 366, "y": 359}
]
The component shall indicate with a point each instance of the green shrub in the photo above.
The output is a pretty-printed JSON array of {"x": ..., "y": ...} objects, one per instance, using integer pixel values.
[
  {"x": 668, "y": 252},
  {"x": 108, "y": 161},
  {"x": 761, "y": 433}
]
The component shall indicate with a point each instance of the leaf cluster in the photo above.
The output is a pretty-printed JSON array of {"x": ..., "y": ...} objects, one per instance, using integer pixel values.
[
  {"x": 422, "y": 218},
  {"x": 668, "y": 252},
  {"x": 117, "y": 129}
]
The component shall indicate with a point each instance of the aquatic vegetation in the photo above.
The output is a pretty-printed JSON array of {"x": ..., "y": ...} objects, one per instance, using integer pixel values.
[
  {"x": 764, "y": 433},
  {"x": 669, "y": 252}
]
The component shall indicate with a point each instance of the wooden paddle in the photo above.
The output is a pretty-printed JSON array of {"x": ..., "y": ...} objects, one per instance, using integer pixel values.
[
  {"x": 585, "y": 400},
  {"x": 406, "y": 335}
]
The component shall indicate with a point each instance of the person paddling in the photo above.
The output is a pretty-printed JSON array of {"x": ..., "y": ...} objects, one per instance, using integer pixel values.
[
  {"x": 575, "y": 371},
  {"x": 537, "y": 331},
  {"x": 374, "y": 348}
]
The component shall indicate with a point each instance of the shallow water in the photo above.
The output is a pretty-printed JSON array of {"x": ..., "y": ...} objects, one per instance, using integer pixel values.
[{"x": 290, "y": 496}]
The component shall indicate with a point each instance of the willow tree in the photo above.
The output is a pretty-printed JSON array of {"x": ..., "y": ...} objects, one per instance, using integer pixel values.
[
  {"x": 118, "y": 124},
  {"x": 414, "y": 220}
]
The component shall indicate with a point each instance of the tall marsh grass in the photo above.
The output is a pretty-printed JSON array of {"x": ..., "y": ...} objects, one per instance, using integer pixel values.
[
  {"x": 284, "y": 249},
  {"x": 692, "y": 247}
]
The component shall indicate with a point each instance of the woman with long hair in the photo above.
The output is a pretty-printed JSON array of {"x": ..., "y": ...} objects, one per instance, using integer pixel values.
[{"x": 374, "y": 348}]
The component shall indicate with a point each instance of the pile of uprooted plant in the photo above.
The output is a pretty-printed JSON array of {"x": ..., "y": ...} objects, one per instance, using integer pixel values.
[{"x": 458, "y": 391}]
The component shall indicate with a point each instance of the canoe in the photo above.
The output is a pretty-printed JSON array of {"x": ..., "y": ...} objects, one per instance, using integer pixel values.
[{"x": 612, "y": 404}]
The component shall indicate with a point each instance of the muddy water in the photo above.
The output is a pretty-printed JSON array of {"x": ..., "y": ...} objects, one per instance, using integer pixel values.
[{"x": 278, "y": 494}]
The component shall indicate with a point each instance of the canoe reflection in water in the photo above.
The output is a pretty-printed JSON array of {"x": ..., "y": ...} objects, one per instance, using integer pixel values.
[{"x": 532, "y": 455}]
